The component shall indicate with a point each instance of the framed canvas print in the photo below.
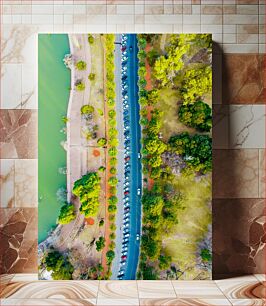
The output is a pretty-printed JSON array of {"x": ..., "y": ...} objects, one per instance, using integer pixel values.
[{"x": 125, "y": 156}]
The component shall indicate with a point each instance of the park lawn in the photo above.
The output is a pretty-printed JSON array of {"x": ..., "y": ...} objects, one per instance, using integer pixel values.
[
  {"x": 192, "y": 224},
  {"x": 168, "y": 103}
]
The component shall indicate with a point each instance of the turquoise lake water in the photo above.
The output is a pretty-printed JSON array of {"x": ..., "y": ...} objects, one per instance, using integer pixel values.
[{"x": 54, "y": 81}]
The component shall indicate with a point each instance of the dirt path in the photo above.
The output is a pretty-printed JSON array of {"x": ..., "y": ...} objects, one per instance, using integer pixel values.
[{"x": 149, "y": 107}]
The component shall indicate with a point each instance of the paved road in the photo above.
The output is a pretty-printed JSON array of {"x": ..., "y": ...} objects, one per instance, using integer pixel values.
[
  {"x": 120, "y": 157},
  {"x": 135, "y": 178}
]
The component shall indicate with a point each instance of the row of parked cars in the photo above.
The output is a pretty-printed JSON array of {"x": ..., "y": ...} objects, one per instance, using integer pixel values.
[{"x": 126, "y": 118}]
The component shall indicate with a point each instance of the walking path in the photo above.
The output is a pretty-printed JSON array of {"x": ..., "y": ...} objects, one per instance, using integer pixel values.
[{"x": 77, "y": 163}]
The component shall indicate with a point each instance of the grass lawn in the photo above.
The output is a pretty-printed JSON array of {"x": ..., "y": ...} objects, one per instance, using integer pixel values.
[{"x": 192, "y": 223}]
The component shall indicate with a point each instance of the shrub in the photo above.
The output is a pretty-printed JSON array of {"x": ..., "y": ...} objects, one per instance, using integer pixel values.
[
  {"x": 113, "y": 181},
  {"x": 113, "y": 170},
  {"x": 91, "y": 76},
  {"x": 102, "y": 142},
  {"x": 81, "y": 65},
  {"x": 90, "y": 39},
  {"x": 101, "y": 169},
  {"x": 80, "y": 86},
  {"x": 100, "y": 244},
  {"x": 87, "y": 109},
  {"x": 101, "y": 223}
]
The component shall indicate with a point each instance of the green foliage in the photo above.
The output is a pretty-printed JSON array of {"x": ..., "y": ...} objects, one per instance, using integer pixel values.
[
  {"x": 67, "y": 214},
  {"x": 112, "y": 113},
  {"x": 88, "y": 189},
  {"x": 196, "y": 82},
  {"x": 101, "y": 169},
  {"x": 80, "y": 86},
  {"x": 196, "y": 150},
  {"x": 112, "y": 236},
  {"x": 59, "y": 265},
  {"x": 113, "y": 161},
  {"x": 152, "y": 56},
  {"x": 112, "y": 208},
  {"x": 91, "y": 76},
  {"x": 112, "y": 151},
  {"x": 100, "y": 244},
  {"x": 65, "y": 119},
  {"x": 164, "y": 262},
  {"x": 102, "y": 142},
  {"x": 110, "y": 255},
  {"x": 112, "y": 181},
  {"x": 87, "y": 109},
  {"x": 154, "y": 145},
  {"x": 197, "y": 115},
  {"x": 81, "y": 65},
  {"x": 90, "y": 39},
  {"x": 206, "y": 255},
  {"x": 101, "y": 223},
  {"x": 113, "y": 200},
  {"x": 113, "y": 170},
  {"x": 112, "y": 227}
]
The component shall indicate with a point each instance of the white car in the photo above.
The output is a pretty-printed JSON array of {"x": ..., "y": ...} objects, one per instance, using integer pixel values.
[
  {"x": 137, "y": 237},
  {"x": 139, "y": 191},
  {"x": 126, "y": 235}
]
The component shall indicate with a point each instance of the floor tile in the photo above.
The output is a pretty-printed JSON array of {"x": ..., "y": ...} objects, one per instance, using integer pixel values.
[
  {"x": 183, "y": 302},
  {"x": 118, "y": 290},
  {"x": 51, "y": 290},
  {"x": 238, "y": 246},
  {"x": 242, "y": 287},
  {"x": 247, "y": 126},
  {"x": 25, "y": 277},
  {"x": 122, "y": 302},
  {"x": 155, "y": 289},
  {"x": 18, "y": 129},
  {"x": 248, "y": 302},
  {"x": 18, "y": 235},
  {"x": 48, "y": 302},
  {"x": 262, "y": 174},
  {"x": 7, "y": 183},
  {"x": 220, "y": 130},
  {"x": 235, "y": 173},
  {"x": 243, "y": 79},
  {"x": 26, "y": 180},
  {"x": 197, "y": 289},
  {"x": 260, "y": 277}
]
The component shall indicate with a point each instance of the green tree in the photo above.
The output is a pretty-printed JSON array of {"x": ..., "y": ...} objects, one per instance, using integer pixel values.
[
  {"x": 67, "y": 214},
  {"x": 197, "y": 115},
  {"x": 100, "y": 244},
  {"x": 80, "y": 86},
  {"x": 112, "y": 181},
  {"x": 91, "y": 76},
  {"x": 60, "y": 266},
  {"x": 110, "y": 255},
  {"x": 101, "y": 223},
  {"x": 101, "y": 169},
  {"x": 87, "y": 109},
  {"x": 81, "y": 65},
  {"x": 164, "y": 261},
  {"x": 206, "y": 255},
  {"x": 90, "y": 39},
  {"x": 102, "y": 142},
  {"x": 113, "y": 200},
  {"x": 88, "y": 189}
]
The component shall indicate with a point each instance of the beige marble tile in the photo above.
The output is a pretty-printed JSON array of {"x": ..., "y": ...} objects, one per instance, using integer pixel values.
[
  {"x": 211, "y": 9},
  {"x": 242, "y": 287},
  {"x": 117, "y": 302},
  {"x": 25, "y": 277},
  {"x": 235, "y": 173},
  {"x": 118, "y": 290},
  {"x": 51, "y": 290},
  {"x": 7, "y": 182},
  {"x": 183, "y": 302},
  {"x": 260, "y": 277},
  {"x": 197, "y": 289},
  {"x": 247, "y": 9},
  {"x": 26, "y": 190},
  {"x": 247, "y": 126},
  {"x": 155, "y": 289},
  {"x": 262, "y": 176},
  {"x": 248, "y": 302},
  {"x": 48, "y": 302}
]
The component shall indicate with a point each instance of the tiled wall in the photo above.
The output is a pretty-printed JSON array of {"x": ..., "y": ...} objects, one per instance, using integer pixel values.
[{"x": 238, "y": 28}]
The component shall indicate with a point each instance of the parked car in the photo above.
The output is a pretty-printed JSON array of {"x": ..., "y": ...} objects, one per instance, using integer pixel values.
[
  {"x": 139, "y": 191},
  {"x": 137, "y": 237}
]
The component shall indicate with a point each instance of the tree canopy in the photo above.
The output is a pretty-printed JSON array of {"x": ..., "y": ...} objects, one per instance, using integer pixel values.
[{"x": 67, "y": 214}]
